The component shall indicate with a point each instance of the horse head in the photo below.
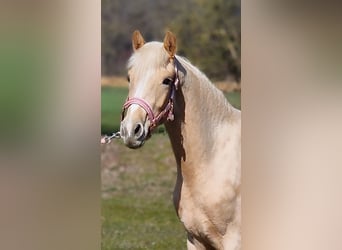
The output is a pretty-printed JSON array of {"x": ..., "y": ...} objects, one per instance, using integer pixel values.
[{"x": 153, "y": 80}]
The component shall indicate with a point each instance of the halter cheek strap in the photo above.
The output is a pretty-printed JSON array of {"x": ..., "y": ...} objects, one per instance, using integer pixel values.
[{"x": 167, "y": 112}]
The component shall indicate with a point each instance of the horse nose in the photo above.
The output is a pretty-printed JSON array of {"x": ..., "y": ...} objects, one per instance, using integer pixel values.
[
  {"x": 133, "y": 134},
  {"x": 138, "y": 131}
]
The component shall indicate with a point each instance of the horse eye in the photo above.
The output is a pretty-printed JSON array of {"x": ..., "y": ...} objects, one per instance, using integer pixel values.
[
  {"x": 128, "y": 79},
  {"x": 167, "y": 81}
]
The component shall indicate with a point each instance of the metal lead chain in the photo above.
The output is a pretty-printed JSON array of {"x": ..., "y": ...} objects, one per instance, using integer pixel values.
[{"x": 107, "y": 139}]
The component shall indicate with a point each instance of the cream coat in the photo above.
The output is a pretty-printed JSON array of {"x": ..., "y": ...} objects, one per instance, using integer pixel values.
[{"x": 206, "y": 140}]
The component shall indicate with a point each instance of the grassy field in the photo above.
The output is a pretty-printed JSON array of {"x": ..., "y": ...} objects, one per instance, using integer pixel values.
[
  {"x": 112, "y": 99},
  {"x": 137, "y": 185}
]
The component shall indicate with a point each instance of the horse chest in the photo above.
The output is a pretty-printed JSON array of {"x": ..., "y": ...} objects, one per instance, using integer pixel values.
[
  {"x": 191, "y": 215},
  {"x": 201, "y": 218}
]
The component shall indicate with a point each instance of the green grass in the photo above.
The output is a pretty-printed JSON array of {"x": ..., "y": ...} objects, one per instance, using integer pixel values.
[
  {"x": 234, "y": 98},
  {"x": 137, "y": 186},
  {"x": 137, "y": 223},
  {"x": 113, "y": 98}
]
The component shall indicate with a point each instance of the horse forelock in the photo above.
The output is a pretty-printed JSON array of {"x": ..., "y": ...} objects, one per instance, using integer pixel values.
[{"x": 150, "y": 56}]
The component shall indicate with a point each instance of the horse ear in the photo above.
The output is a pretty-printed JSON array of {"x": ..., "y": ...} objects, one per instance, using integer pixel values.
[
  {"x": 137, "y": 40},
  {"x": 170, "y": 43}
]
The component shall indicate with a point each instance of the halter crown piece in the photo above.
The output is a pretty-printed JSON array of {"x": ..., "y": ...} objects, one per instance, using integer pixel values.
[{"x": 167, "y": 112}]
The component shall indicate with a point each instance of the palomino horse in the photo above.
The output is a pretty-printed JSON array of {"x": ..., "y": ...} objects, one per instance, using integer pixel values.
[{"x": 205, "y": 134}]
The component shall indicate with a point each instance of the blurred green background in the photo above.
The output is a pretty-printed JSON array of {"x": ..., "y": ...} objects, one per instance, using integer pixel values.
[{"x": 208, "y": 32}]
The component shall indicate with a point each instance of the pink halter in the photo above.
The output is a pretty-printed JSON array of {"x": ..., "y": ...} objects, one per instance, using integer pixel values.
[{"x": 167, "y": 112}]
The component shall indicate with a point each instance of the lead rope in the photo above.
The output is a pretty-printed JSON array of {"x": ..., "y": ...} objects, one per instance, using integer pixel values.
[{"x": 107, "y": 139}]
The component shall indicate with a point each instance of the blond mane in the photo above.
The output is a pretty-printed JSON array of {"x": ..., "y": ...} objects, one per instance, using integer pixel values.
[{"x": 205, "y": 85}]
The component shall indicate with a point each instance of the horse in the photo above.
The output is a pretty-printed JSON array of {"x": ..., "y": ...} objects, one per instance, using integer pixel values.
[{"x": 205, "y": 134}]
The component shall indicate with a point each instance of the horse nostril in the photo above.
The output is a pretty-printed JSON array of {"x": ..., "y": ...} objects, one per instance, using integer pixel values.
[{"x": 138, "y": 131}]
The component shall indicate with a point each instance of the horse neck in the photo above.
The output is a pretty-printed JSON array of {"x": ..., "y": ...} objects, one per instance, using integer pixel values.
[{"x": 199, "y": 109}]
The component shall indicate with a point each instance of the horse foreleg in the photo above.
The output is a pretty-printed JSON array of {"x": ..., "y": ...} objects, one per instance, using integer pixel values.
[{"x": 190, "y": 246}]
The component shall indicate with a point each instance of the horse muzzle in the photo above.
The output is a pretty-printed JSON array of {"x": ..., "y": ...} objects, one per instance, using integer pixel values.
[
  {"x": 136, "y": 120},
  {"x": 133, "y": 134}
]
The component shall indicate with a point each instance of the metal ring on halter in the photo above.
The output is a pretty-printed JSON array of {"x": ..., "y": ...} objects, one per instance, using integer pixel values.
[{"x": 107, "y": 139}]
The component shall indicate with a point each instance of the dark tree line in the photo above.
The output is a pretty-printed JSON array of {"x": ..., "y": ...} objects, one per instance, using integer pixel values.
[{"x": 208, "y": 32}]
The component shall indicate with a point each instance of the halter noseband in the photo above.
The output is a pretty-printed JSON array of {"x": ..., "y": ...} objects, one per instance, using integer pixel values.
[{"x": 167, "y": 112}]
